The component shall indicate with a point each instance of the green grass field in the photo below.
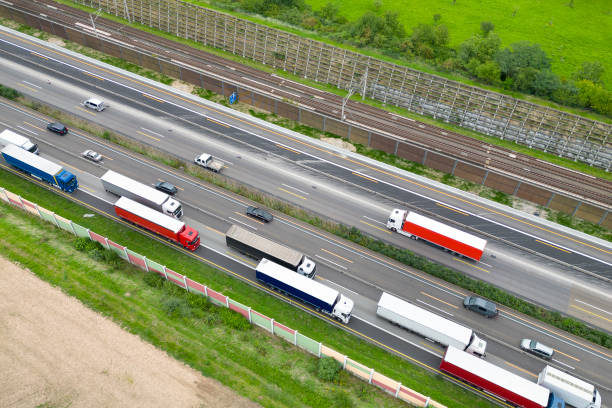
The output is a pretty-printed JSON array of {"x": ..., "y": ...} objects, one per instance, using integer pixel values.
[
  {"x": 258, "y": 363},
  {"x": 569, "y": 35}
]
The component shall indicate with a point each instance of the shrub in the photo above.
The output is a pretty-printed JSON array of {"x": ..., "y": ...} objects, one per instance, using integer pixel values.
[
  {"x": 153, "y": 280},
  {"x": 175, "y": 307},
  {"x": 234, "y": 320},
  {"x": 8, "y": 93},
  {"x": 328, "y": 369}
]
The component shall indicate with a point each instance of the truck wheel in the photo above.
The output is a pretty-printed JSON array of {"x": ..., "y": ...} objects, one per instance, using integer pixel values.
[{"x": 393, "y": 229}]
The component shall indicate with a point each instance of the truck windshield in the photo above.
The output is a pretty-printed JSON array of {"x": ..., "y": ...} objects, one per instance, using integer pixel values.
[
  {"x": 179, "y": 211},
  {"x": 72, "y": 181},
  {"x": 194, "y": 240}
]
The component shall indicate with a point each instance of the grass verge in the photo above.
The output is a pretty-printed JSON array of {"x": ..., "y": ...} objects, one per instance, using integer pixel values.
[{"x": 259, "y": 366}]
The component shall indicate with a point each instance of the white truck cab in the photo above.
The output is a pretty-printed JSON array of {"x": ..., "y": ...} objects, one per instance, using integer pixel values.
[{"x": 343, "y": 308}]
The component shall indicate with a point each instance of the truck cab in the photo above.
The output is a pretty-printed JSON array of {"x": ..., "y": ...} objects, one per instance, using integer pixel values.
[
  {"x": 477, "y": 346},
  {"x": 307, "y": 268},
  {"x": 172, "y": 208},
  {"x": 343, "y": 308},
  {"x": 396, "y": 221},
  {"x": 189, "y": 238}
]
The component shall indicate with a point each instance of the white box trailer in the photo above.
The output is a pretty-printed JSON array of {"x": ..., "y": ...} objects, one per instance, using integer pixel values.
[
  {"x": 574, "y": 391},
  {"x": 123, "y": 186},
  {"x": 430, "y": 325},
  {"x": 9, "y": 137}
]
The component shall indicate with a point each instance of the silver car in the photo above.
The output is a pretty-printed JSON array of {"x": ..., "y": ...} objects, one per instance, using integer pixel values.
[
  {"x": 537, "y": 348},
  {"x": 91, "y": 155}
]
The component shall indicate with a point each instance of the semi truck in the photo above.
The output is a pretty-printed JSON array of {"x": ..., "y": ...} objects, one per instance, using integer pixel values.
[
  {"x": 258, "y": 247},
  {"x": 430, "y": 325},
  {"x": 40, "y": 168},
  {"x": 497, "y": 381},
  {"x": 416, "y": 226},
  {"x": 9, "y": 137},
  {"x": 152, "y": 220},
  {"x": 574, "y": 391},
  {"x": 321, "y": 297},
  {"x": 123, "y": 186}
]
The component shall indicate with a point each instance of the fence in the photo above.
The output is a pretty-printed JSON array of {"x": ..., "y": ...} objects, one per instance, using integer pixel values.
[
  {"x": 267, "y": 323},
  {"x": 493, "y": 114}
]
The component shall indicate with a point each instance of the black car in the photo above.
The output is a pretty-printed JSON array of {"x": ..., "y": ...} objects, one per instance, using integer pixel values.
[
  {"x": 480, "y": 305},
  {"x": 259, "y": 213},
  {"x": 166, "y": 187},
  {"x": 57, "y": 128}
]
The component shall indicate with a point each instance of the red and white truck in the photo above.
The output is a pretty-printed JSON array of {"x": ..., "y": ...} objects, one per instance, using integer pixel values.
[
  {"x": 497, "y": 381},
  {"x": 417, "y": 226},
  {"x": 157, "y": 222}
]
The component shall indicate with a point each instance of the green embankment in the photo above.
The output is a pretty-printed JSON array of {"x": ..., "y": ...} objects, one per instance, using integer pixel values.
[{"x": 259, "y": 366}]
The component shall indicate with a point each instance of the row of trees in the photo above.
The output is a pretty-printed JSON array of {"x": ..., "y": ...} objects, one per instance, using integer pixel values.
[{"x": 522, "y": 67}]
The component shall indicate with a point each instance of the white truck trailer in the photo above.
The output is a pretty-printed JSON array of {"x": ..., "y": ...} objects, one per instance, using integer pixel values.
[
  {"x": 430, "y": 325},
  {"x": 9, "y": 137},
  {"x": 123, "y": 186},
  {"x": 574, "y": 391}
]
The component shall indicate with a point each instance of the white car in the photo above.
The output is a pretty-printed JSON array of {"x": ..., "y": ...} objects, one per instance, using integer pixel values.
[{"x": 91, "y": 155}]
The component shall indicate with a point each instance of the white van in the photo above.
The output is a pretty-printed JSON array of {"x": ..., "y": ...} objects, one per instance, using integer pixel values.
[{"x": 95, "y": 104}]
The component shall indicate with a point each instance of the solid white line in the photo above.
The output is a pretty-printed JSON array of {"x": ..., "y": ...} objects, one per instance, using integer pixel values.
[
  {"x": 27, "y": 130},
  {"x": 438, "y": 309},
  {"x": 150, "y": 131},
  {"x": 31, "y": 84},
  {"x": 333, "y": 263},
  {"x": 483, "y": 263},
  {"x": 240, "y": 222},
  {"x": 296, "y": 189},
  {"x": 567, "y": 365},
  {"x": 373, "y": 220},
  {"x": 594, "y": 307}
]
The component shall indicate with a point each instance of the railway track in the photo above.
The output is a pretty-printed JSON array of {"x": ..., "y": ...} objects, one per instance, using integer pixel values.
[{"x": 498, "y": 159}]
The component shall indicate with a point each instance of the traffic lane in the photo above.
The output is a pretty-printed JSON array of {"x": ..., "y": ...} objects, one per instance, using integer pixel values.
[{"x": 173, "y": 107}]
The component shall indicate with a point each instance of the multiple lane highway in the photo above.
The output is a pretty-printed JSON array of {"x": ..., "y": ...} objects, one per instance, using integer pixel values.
[{"x": 339, "y": 186}]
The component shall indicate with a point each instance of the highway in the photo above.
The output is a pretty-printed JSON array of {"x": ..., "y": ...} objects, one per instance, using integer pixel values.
[
  {"x": 341, "y": 265},
  {"x": 316, "y": 178}
]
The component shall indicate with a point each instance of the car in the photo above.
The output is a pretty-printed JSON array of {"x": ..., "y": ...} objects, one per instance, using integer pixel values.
[
  {"x": 537, "y": 348},
  {"x": 95, "y": 104},
  {"x": 91, "y": 155},
  {"x": 480, "y": 305},
  {"x": 259, "y": 213},
  {"x": 57, "y": 127},
  {"x": 166, "y": 187}
]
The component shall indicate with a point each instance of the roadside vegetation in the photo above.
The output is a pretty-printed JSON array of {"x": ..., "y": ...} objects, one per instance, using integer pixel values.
[{"x": 215, "y": 341}]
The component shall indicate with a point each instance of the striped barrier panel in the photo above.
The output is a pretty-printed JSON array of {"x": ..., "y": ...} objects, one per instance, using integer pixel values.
[
  {"x": 240, "y": 308},
  {"x": 99, "y": 238},
  {"x": 196, "y": 287},
  {"x": 119, "y": 249},
  {"x": 136, "y": 259},
  {"x": 176, "y": 278},
  {"x": 367, "y": 374}
]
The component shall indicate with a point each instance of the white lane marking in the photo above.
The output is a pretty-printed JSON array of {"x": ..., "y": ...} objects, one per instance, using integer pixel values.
[
  {"x": 417, "y": 345},
  {"x": 373, "y": 220},
  {"x": 150, "y": 131},
  {"x": 333, "y": 263},
  {"x": 483, "y": 263},
  {"x": 567, "y": 365},
  {"x": 243, "y": 223},
  {"x": 437, "y": 308},
  {"x": 594, "y": 307},
  {"x": 27, "y": 130},
  {"x": 309, "y": 154},
  {"x": 296, "y": 189},
  {"x": 31, "y": 84},
  {"x": 339, "y": 286}
]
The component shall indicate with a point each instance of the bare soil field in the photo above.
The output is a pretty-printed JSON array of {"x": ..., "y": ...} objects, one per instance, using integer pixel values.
[{"x": 55, "y": 352}]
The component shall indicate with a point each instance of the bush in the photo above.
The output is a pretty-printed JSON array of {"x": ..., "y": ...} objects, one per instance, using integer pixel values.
[
  {"x": 8, "y": 93},
  {"x": 328, "y": 369},
  {"x": 234, "y": 320},
  {"x": 175, "y": 307},
  {"x": 153, "y": 280}
]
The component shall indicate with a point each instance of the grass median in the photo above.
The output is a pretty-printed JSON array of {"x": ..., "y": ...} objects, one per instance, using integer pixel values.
[{"x": 259, "y": 366}]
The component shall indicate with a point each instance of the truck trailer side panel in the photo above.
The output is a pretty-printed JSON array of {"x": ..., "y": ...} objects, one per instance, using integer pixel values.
[
  {"x": 574, "y": 391},
  {"x": 494, "y": 379},
  {"x": 445, "y": 236},
  {"x": 259, "y": 247},
  {"x": 307, "y": 290},
  {"x": 148, "y": 218}
]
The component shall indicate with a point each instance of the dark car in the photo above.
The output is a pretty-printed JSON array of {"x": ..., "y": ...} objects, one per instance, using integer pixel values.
[
  {"x": 259, "y": 213},
  {"x": 57, "y": 128},
  {"x": 166, "y": 187},
  {"x": 480, "y": 305}
]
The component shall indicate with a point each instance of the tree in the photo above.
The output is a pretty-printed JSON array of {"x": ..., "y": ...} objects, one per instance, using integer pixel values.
[
  {"x": 384, "y": 32},
  {"x": 546, "y": 83},
  {"x": 486, "y": 27},
  {"x": 524, "y": 79},
  {"x": 591, "y": 71},
  {"x": 479, "y": 47},
  {"x": 488, "y": 72},
  {"x": 521, "y": 55}
]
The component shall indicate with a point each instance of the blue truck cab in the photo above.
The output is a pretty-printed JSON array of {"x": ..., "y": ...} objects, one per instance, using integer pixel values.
[
  {"x": 40, "y": 168},
  {"x": 555, "y": 401}
]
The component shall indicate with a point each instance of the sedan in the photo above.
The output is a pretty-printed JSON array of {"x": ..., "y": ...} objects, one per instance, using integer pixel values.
[
  {"x": 166, "y": 187},
  {"x": 480, "y": 305},
  {"x": 91, "y": 155},
  {"x": 259, "y": 213},
  {"x": 537, "y": 348},
  {"x": 57, "y": 128}
]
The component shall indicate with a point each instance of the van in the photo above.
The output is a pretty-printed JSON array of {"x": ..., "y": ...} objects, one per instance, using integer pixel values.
[
  {"x": 480, "y": 305},
  {"x": 95, "y": 104}
]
